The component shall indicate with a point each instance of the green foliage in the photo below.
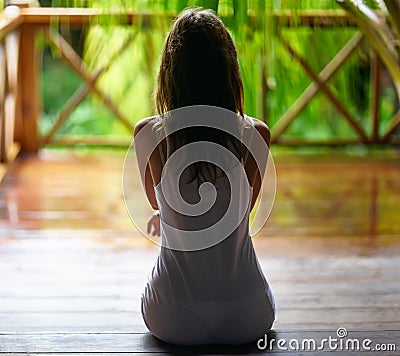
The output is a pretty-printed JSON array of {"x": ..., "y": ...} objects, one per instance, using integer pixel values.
[
  {"x": 90, "y": 117},
  {"x": 130, "y": 81},
  {"x": 56, "y": 93}
]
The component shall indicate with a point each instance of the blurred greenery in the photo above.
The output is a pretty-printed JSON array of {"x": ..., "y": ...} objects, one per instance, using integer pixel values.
[
  {"x": 90, "y": 116},
  {"x": 130, "y": 81}
]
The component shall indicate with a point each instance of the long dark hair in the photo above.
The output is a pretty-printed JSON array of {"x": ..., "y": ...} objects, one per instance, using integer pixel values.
[{"x": 199, "y": 66}]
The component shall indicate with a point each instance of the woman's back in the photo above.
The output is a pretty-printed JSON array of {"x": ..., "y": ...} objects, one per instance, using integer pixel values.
[
  {"x": 206, "y": 286},
  {"x": 206, "y": 259}
]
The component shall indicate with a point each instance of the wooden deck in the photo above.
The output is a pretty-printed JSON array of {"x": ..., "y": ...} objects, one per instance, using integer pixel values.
[{"x": 72, "y": 265}]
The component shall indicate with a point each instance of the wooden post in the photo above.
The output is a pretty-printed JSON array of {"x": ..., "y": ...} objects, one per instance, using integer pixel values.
[
  {"x": 29, "y": 80},
  {"x": 27, "y": 91},
  {"x": 3, "y": 86},
  {"x": 18, "y": 105}
]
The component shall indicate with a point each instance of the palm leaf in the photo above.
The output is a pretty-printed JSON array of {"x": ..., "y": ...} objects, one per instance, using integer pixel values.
[
  {"x": 378, "y": 34},
  {"x": 393, "y": 7}
]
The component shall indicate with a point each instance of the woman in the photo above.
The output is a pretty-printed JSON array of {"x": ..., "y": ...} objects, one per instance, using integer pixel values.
[{"x": 215, "y": 293}]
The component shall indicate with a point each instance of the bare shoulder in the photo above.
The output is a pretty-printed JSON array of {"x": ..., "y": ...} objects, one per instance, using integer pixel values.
[
  {"x": 262, "y": 128},
  {"x": 144, "y": 122}
]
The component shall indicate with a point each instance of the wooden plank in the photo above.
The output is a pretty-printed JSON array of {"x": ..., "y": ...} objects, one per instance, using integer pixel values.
[
  {"x": 74, "y": 321},
  {"x": 124, "y": 289},
  {"x": 98, "y": 318},
  {"x": 78, "y": 16},
  {"x": 23, "y": 277},
  {"x": 298, "y": 141},
  {"x": 70, "y": 140},
  {"x": 34, "y": 271},
  {"x": 12, "y": 304},
  {"x": 28, "y": 263},
  {"x": 313, "y": 18},
  {"x": 367, "y": 319}
]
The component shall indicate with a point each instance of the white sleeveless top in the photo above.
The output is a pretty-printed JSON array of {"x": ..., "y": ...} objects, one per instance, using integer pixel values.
[{"x": 228, "y": 269}]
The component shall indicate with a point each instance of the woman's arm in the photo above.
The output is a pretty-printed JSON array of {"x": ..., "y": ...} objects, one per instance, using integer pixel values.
[
  {"x": 149, "y": 188},
  {"x": 253, "y": 173},
  {"x": 148, "y": 182}
]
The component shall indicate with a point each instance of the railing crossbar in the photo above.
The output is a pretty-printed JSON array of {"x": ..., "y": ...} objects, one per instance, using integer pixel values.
[
  {"x": 324, "y": 88},
  {"x": 330, "y": 69},
  {"x": 395, "y": 123},
  {"x": 73, "y": 59}
]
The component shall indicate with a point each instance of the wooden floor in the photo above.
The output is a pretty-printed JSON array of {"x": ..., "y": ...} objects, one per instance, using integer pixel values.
[{"x": 73, "y": 266}]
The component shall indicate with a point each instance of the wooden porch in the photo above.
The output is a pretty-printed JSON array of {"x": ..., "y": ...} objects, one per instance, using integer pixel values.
[{"x": 73, "y": 266}]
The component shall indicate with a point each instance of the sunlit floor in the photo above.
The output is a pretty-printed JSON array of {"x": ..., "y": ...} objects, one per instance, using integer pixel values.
[{"x": 73, "y": 266}]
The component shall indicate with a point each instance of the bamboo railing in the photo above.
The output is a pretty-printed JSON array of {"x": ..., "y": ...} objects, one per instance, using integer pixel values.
[{"x": 19, "y": 76}]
